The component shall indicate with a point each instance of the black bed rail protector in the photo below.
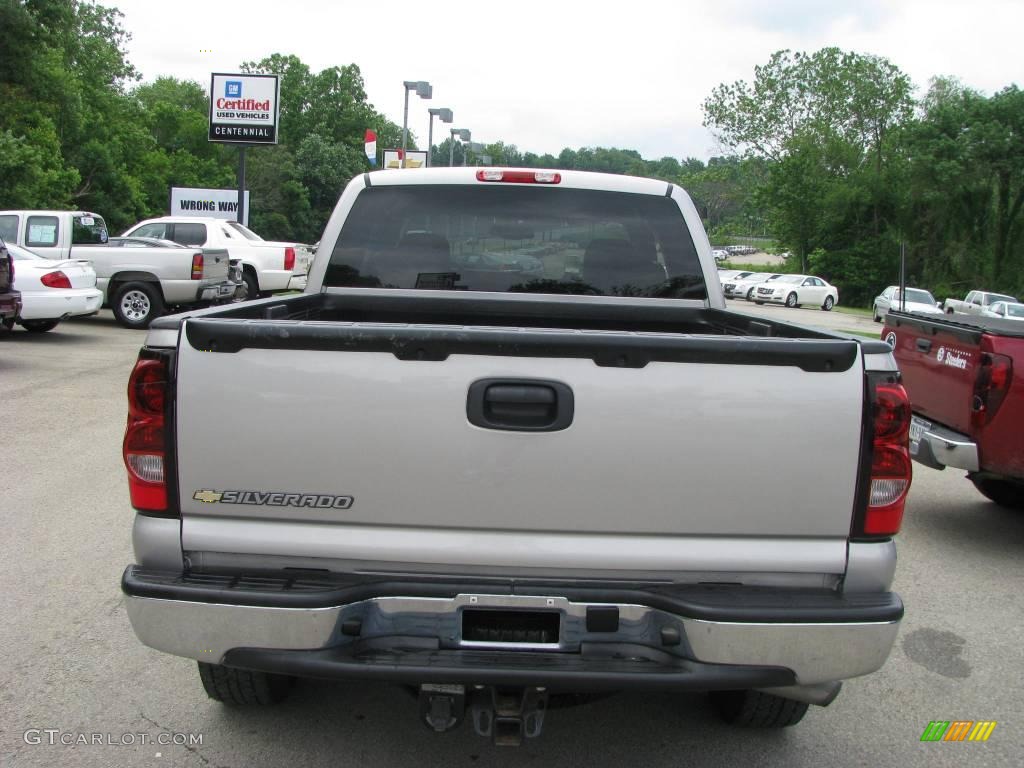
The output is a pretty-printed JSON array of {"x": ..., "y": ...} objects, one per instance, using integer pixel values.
[
  {"x": 720, "y": 602},
  {"x": 614, "y": 667},
  {"x": 620, "y": 350},
  {"x": 967, "y": 328}
]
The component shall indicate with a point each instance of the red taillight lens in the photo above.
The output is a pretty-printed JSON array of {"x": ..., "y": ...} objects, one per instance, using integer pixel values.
[
  {"x": 994, "y": 377},
  {"x": 55, "y": 280},
  {"x": 891, "y": 469},
  {"x": 519, "y": 177},
  {"x": 289, "y": 258},
  {"x": 145, "y": 439},
  {"x": 197, "y": 266}
]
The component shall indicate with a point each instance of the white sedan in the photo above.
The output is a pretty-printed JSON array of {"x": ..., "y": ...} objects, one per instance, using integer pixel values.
[
  {"x": 52, "y": 290},
  {"x": 742, "y": 287},
  {"x": 794, "y": 290},
  {"x": 916, "y": 300},
  {"x": 1010, "y": 310}
]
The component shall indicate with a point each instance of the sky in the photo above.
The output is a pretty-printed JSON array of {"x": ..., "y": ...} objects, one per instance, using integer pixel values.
[{"x": 563, "y": 73}]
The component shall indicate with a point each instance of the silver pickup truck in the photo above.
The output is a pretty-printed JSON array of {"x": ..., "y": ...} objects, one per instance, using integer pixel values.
[{"x": 485, "y": 455}]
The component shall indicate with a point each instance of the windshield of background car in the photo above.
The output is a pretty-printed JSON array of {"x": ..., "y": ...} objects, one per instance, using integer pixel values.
[
  {"x": 1015, "y": 310},
  {"x": 245, "y": 232},
  {"x": 20, "y": 254},
  {"x": 518, "y": 239},
  {"x": 88, "y": 230},
  {"x": 992, "y": 298},
  {"x": 916, "y": 297}
]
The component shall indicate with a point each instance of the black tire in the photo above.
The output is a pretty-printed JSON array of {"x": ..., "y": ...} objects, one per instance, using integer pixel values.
[
  {"x": 759, "y": 303},
  {"x": 240, "y": 687},
  {"x": 874, "y": 314},
  {"x": 949, "y": 311},
  {"x": 1003, "y": 492},
  {"x": 136, "y": 305},
  {"x": 829, "y": 303},
  {"x": 7, "y": 323},
  {"x": 39, "y": 326},
  {"x": 750, "y": 295},
  {"x": 791, "y": 301},
  {"x": 252, "y": 284},
  {"x": 754, "y": 709}
]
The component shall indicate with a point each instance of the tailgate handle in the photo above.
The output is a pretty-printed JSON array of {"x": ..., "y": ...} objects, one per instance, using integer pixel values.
[
  {"x": 924, "y": 345},
  {"x": 521, "y": 405}
]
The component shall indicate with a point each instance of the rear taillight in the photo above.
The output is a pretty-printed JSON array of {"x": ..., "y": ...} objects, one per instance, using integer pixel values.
[
  {"x": 289, "y": 258},
  {"x": 146, "y": 437},
  {"x": 890, "y": 468},
  {"x": 197, "y": 266},
  {"x": 995, "y": 373},
  {"x": 55, "y": 280},
  {"x": 519, "y": 177}
]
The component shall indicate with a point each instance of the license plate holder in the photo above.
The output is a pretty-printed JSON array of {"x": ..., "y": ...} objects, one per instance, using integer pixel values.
[{"x": 918, "y": 427}]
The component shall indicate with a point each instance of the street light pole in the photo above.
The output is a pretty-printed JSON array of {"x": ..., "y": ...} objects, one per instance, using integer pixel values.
[
  {"x": 425, "y": 91},
  {"x": 446, "y": 117},
  {"x": 462, "y": 133}
]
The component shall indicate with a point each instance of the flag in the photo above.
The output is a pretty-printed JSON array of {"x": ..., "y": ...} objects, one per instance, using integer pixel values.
[{"x": 371, "y": 146}]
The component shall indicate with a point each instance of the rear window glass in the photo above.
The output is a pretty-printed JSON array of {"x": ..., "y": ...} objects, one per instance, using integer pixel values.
[
  {"x": 9, "y": 228},
  {"x": 88, "y": 230},
  {"x": 190, "y": 234},
  {"x": 519, "y": 239}
]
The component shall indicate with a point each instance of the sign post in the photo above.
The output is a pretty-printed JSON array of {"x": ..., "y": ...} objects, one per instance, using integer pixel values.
[{"x": 244, "y": 110}]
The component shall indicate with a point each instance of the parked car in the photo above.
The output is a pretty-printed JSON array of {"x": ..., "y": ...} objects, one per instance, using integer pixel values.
[
  {"x": 797, "y": 290},
  {"x": 53, "y": 289},
  {"x": 446, "y": 492},
  {"x": 915, "y": 300},
  {"x": 267, "y": 266},
  {"x": 51, "y": 234},
  {"x": 10, "y": 299},
  {"x": 142, "y": 278},
  {"x": 743, "y": 287},
  {"x": 1007, "y": 309},
  {"x": 720, "y": 254},
  {"x": 975, "y": 303},
  {"x": 965, "y": 379}
]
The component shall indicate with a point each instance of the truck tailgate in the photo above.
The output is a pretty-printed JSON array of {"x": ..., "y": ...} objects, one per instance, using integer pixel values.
[
  {"x": 939, "y": 364},
  {"x": 216, "y": 263},
  {"x": 713, "y": 451}
]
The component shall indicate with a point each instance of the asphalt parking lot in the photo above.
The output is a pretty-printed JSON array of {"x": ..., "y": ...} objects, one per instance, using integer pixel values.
[{"x": 74, "y": 666}]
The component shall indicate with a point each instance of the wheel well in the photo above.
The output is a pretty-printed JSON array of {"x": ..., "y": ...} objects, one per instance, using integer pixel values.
[
  {"x": 116, "y": 281},
  {"x": 250, "y": 269}
]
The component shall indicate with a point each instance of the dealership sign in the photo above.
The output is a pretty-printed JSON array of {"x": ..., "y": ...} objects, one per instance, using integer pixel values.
[
  {"x": 244, "y": 108},
  {"x": 218, "y": 203}
]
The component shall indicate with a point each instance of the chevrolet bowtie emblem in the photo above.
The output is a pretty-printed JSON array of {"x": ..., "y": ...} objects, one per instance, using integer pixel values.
[{"x": 207, "y": 496}]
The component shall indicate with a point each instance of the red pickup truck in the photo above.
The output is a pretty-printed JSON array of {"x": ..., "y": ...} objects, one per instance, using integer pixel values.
[{"x": 965, "y": 379}]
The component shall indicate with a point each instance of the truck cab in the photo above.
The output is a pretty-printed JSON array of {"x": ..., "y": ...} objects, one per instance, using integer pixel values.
[{"x": 51, "y": 233}]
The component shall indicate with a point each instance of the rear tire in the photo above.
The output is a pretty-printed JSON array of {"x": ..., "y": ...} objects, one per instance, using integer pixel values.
[
  {"x": 791, "y": 301},
  {"x": 829, "y": 303},
  {"x": 1002, "y": 492},
  {"x": 754, "y": 709},
  {"x": 240, "y": 687},
  {"x": 252, "y": 285},
  {"x": 136, "y": 305},
  {"x": 874, "y": 314},
  {"x": 750, "y": 295},
  {"x": 7, "y": 323},
  {"x": 39, "y": 326}
]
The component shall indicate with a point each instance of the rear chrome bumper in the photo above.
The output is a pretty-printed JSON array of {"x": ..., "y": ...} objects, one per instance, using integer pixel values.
[
  {"x": 658, "y": 638},
  {"x": 940, "y": 447}
]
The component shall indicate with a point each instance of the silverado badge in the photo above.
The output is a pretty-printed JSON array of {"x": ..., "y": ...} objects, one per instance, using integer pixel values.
[{"x": 274, "y": 499}]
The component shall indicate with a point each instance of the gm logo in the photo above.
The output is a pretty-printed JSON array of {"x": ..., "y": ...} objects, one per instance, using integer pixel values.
[{"x": 233, "y": 89}]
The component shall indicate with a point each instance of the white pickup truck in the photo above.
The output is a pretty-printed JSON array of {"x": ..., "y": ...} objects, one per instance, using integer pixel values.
[
  {"x": 51, "y": 234},
  {"x": 267, "y": 266},
  {"x": 142, "y": 278},
  {"x": 975, "y": 303},
  {"x": 494, "y": 482}
]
